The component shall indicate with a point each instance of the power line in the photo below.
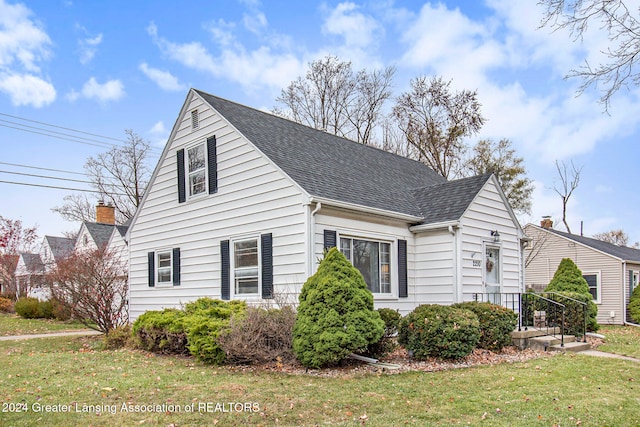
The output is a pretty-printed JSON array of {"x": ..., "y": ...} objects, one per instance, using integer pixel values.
[
  {"x": 103, "y": 145},
  {"x": 46, "y": 176},
  {"x": 57, "y": 187},
  {"x": 40, "y": 168}
]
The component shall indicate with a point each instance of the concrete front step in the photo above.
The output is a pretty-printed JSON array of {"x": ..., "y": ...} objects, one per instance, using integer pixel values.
[
  {"x": 545, "y": 342},
  {"x": 573, "y": 347},
  {"x": 521, "y": 338}
]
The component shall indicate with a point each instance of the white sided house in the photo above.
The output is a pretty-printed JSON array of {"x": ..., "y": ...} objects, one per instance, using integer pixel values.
[{"x": 242, "y": 203}]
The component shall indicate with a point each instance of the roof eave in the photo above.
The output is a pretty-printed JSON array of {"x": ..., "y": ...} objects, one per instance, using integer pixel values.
[
  {"x": 435, "y": 226},
  {"x": 366, "y": 209}
]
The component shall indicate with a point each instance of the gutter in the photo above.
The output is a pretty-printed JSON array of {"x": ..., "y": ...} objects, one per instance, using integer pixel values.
[
  {"x": 365, "y": 209},
  {"x": 449, "y": 225}
]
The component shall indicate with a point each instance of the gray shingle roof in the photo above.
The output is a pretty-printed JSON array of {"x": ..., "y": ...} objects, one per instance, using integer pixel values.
[
  {"x": 448, "y": 201},
  {"x": 331, "y": 167},
  {"x": 623, "y": 252},
  {"x": 32, "y": 262},
  {"x": 60, "y": 246},
  {"x": 100, "y": 233}
]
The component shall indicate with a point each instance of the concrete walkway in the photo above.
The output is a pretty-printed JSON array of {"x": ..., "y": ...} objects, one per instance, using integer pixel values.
[
  {"x": 82, "y": 332},
  {"x": 608, "y": 355}
]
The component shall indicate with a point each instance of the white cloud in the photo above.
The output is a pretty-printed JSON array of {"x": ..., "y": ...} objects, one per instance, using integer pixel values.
[
  {"x": 255, "y": 22},
  {"x": 111, "y": 90},
  {"x": 158, "y": 134},
  {"x": 357, "y": 29},
  {"x": 158, "y": 128},
  {"x": 27, "y": 89},
  {"x": 88, "y": 48},
  {"x": 21, "y": 39},
  {"x": 164, "y": 79}
]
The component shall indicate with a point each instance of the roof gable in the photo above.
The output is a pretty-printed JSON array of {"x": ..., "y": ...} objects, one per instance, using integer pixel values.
[
  {"x": 100, "y": 233},
  {"x": 60, "y": 246},
  {"x": 624, "y": 253}
]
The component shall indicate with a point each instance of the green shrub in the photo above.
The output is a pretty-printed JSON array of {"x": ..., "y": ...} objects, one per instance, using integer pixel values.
[
  {"x": 568, "y": 281},
  {"x": 634, "y": 305},
  {"x": 568, "y": 278},
  {"x": 439, "y": 331},
  {"x": 60, "y": 310},
  {"x": 32, "y": 308},
  {"x": 260, "y": 336},
  {"x": 161, "y": 331},
  {"x": 192, "y": 330},
  {"x": 335, "y": 315},
  {"x": 6, "y": 305},
  {"x": 496, "y": 324},
  {"x": 118, "y": 337},
  {"x": 387, "y": 343}
]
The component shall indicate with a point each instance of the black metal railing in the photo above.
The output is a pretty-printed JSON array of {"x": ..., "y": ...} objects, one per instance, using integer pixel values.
[
  {"x": 576, "y": 313},
  {"x": 534, "y": 311}
]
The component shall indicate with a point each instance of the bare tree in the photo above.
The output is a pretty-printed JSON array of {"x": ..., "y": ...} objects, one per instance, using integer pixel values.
[
  {"x": 500, "y": 159},
  {"x": 331, "y": 97},
  {"x": 119, "y": 177},
  {"x": 569, "y": 180},
  {"x": 435, "y": 120},
  {"x": 14, "y": 240},
  {"x": 93, "y": 285},
  {"x": 616, "y": 237},
  {"x": 622, "y": 26}
]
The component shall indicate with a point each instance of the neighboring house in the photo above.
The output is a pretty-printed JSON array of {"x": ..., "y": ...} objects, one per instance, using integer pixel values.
[
  {"x": 53, "y": 249},
  {"x": 242, "y": 203},
  {"x": 29, "y": 276},
  {"x": 96, "y": 235},
  {"x": 611, "y": 271}
]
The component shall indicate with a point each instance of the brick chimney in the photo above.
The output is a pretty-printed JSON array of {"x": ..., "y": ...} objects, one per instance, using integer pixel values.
[
  {"x": 546, "y": 222},
  {"x": 105, "y": 214}
]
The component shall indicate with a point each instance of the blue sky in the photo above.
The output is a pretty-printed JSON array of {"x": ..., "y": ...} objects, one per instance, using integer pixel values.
[{"x": 103, "y": 67}]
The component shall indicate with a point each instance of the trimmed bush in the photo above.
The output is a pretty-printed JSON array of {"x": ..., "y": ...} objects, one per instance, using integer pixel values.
[
  {"x": 439, "y": 331},
  {"x": 6, "y": 305},
  {"x": 387, "y": 343},
  {"x": 33, "y": 308},
  {"x": 260, "y": 336},
  {"x": 568, "y": 281},
  {"x": 161, "y": 331},
  {"x": 634, "y": 305},
  {"x": 496, "y": 324},
  {"x": 335, "y": 315},
  {"x": 568, "y": 278}
]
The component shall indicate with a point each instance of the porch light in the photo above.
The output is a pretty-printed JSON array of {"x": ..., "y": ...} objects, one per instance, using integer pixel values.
[{"x": 496, "y": 236}]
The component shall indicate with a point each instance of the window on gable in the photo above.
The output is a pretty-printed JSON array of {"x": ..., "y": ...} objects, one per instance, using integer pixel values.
[
  {"x": 593, "y": 280},
  {"x": 372, "y": 259},
  {"x": 196, "y": 168},
  {"x": 163, "y": 267},
  {"x": 246, "y": 267}
]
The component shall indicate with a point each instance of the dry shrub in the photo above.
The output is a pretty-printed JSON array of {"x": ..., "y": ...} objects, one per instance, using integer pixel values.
[
  {"x": 259, "y": 336},
  {"x": 6, "y": 305}
]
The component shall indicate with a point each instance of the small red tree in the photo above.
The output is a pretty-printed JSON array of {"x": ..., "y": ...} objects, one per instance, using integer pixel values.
[
  {"x": 14, "y": 239},
  {"x": 93, "y": 285}
]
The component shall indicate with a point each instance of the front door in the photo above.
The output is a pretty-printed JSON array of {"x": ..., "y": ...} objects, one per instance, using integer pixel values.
[{"x": 492, "y": 273}]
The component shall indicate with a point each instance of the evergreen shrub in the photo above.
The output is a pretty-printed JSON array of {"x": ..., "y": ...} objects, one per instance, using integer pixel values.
[
  {"x": 33, "y": 308},
  {"x": 445, "y": 332},
  {"x": 496, "y": 324},
  {"x": 335, "y": 314},
  {"x": 387, "y": 343}
]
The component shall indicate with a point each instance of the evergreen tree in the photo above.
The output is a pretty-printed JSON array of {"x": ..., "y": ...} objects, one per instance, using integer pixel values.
[{"x": 335, "y": 315}]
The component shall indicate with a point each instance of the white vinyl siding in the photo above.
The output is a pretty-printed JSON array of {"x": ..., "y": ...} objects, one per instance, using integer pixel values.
[{"x": 253, "y": 197}]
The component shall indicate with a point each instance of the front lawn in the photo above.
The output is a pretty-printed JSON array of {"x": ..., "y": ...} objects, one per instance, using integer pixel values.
[
  {"x": 47, "y": 376},
  {"x": 12, "y": 324},
  {"x": 623, "y": 340}
]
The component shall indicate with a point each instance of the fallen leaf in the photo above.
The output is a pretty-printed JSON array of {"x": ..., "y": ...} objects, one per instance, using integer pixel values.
[{"x": 484, "y": 416}]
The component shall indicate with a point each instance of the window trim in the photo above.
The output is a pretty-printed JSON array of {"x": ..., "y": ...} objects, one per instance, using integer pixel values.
[
  {"x": 393, "y": 260},
  {"x": 598, "y": 274},
  {"x": 232, "y": 267},
  {"x": 157, "y": 267},
  {"x": 204, "y": 169}
]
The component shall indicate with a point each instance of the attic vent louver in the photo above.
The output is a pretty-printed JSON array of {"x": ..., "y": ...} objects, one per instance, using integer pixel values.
[{"x": 195, "y": 119}]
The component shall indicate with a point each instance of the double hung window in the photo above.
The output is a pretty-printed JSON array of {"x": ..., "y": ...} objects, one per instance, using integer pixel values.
[
  {"x": 196, "y": 167},
  {"x": 372, "y": 259}
]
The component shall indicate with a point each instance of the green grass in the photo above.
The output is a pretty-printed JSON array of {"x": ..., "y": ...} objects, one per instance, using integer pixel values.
[
  {"x": 12, "y": 324},
  {"x": 623, "y": 340},
  {"x": 560, "y": 390}
]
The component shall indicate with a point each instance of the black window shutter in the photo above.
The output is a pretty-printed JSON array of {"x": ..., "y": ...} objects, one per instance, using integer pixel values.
[
  {"x": 225, "y": 278},
  {"x": 266, "y": 242},
  {"x": 182, "y": 181},
  {"x": 176, "y": 266},
  {"x": 212, "y": 160},
  {"x": 329, "y": 239},
  {"x": 403, "y": 290},
  {"x": 151, "y": 265}
]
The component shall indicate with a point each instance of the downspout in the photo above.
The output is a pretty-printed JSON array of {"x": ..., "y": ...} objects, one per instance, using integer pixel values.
[
  {"x": 456, "y": 277},
  {"x": 312, "y": 237}
]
